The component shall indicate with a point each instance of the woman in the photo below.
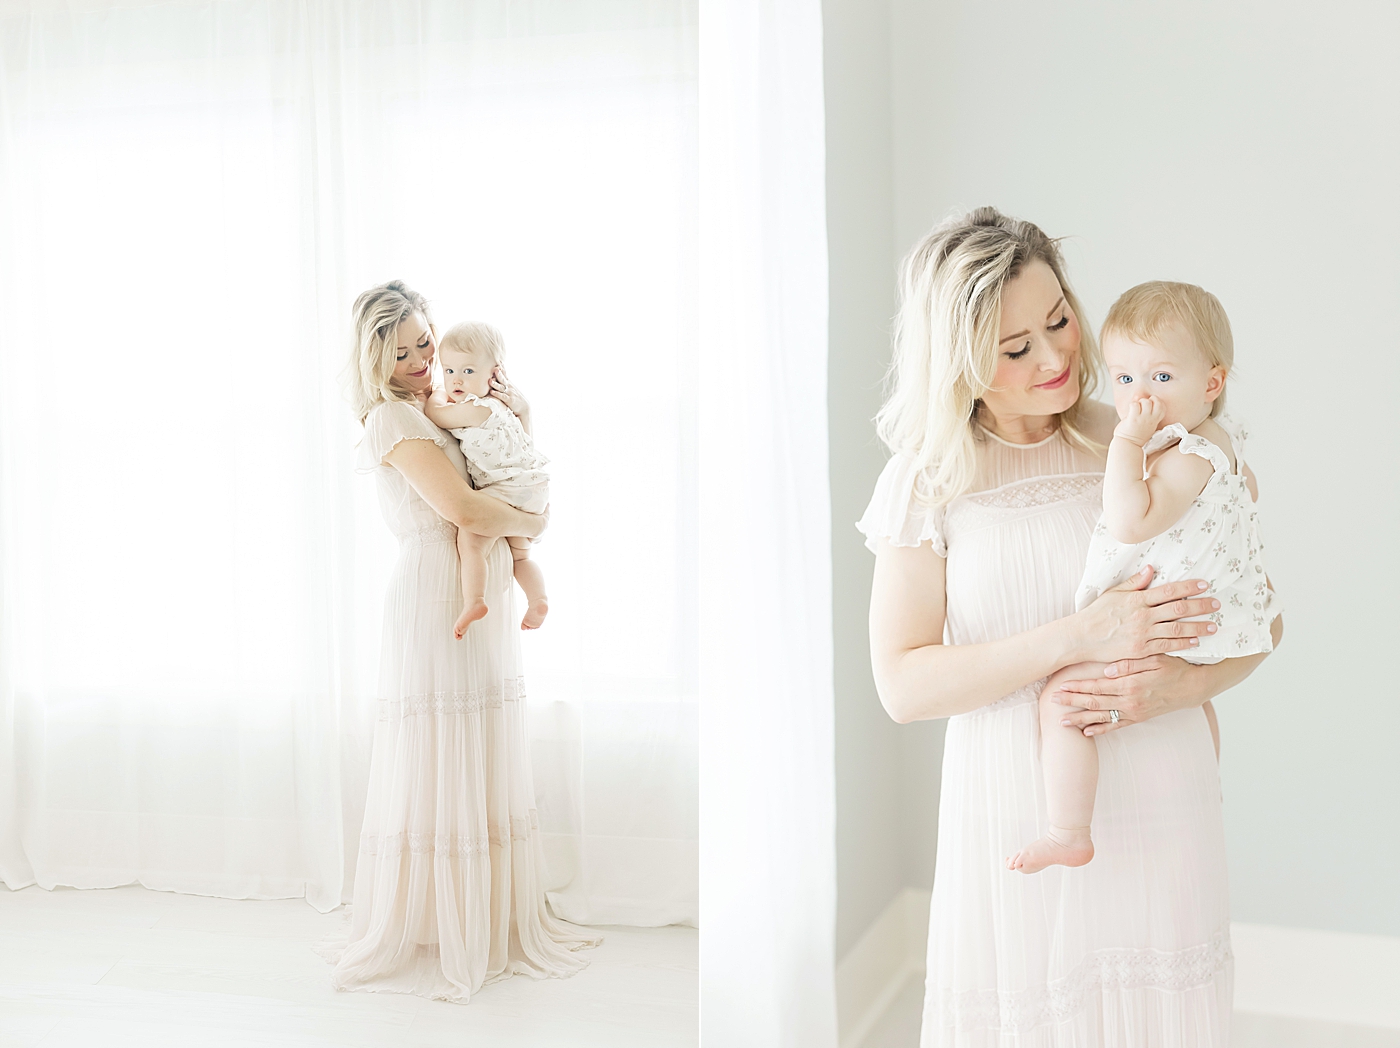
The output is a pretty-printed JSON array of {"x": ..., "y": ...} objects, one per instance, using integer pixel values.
[
  {"x": 447, "y": 893},
  {"x": 980, "y": 523}
]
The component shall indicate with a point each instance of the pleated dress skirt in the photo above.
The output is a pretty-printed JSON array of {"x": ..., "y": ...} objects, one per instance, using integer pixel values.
[{"x": 448, "y": 893}]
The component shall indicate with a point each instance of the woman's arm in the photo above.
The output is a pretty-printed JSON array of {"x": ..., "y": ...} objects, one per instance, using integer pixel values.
[
  {"x": 1140, "y": 689},
  {"x": 431, "y": 475},
  {"x": 918, "y": 677}
]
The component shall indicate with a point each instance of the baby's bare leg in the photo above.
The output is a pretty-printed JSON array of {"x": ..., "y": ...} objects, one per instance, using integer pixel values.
[
  {"x": 471, "y": 551},
  {"x": 531, "y": 580},
  {"x": 1071, "y": 766}
]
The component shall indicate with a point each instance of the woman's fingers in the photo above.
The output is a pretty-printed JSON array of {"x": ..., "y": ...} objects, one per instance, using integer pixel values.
[
  {"x": 1185, "y": 629},
  {"x": 1099, "y": 723},
  {"x": 1170, "y": 591},
  {"x": 1184, "y": 608},
  {"x": 1138, "y": 581}
]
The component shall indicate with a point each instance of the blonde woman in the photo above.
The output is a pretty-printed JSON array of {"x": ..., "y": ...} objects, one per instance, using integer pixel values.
[
  {"x": 980, "y": 523},
  {"x": 447, "y": 893}
]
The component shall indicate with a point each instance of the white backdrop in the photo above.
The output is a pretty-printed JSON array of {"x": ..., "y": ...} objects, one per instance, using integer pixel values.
[{"x": 191, "y": 194}]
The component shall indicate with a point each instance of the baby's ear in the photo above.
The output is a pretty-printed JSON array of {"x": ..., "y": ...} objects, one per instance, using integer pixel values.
[{"x": 1215, "y": 383}]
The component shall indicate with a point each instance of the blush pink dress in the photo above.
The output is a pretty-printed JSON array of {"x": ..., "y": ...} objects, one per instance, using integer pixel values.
[
  {"x": 1132, "y": 950},
  {"x": 447, "y": 884}
]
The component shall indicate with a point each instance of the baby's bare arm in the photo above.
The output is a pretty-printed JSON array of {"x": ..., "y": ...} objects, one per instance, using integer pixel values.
[
  {"x": 1173, "y": 482},
  {"x": 454, "y": 416}
]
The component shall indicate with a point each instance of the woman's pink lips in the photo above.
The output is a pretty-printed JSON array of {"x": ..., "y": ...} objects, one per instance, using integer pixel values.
[{"x": 1057, "y": 382}]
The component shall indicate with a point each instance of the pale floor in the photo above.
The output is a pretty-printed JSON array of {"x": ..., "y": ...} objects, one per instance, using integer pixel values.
[
  {"x": 899, "y": 1028},
  {"x": 132, "y": 967}
]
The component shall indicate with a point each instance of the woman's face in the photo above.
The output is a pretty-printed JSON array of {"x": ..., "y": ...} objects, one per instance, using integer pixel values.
[
  {"x": 1038, "y": 348},
  {"x": 413, "y": 369}
]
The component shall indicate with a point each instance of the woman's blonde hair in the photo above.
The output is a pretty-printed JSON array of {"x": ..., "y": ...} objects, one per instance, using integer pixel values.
[
  {"x": 945, "y": 342},
  {"x": 472, "y": 336},
  {"x": 377, "y": 316},
  {"x": 1142, "y": 312}
]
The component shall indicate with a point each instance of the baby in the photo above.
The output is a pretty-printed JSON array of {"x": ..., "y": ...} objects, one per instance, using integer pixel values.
[
  {"x": 493, "y": 428},
  {"x": 1176, "y": 496}
]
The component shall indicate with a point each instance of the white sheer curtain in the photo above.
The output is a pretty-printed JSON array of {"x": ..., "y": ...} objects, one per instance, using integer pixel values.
[
  {"x": 191, "y": 194},
  {"x": 768, "y": 813}
]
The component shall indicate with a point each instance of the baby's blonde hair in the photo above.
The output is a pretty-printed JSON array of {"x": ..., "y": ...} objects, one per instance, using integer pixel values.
[
  {"x": 945, "y": 342},
  {"x": 374, "y": 350},
  {"x": 1142, "y": 312},
  {"x": 471, "y": 336}
]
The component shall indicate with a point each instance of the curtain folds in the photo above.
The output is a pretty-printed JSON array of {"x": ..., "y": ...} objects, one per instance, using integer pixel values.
[
  {"x": 768, "y": 812},
  {"x": 192, "y": 192}
]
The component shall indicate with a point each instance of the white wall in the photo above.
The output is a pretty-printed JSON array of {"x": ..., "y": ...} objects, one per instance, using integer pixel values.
[
  {"x": 870, "y": 826},
  {"x": 1252, "y": 148}
]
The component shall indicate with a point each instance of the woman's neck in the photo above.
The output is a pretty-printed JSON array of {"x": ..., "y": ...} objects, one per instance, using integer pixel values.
[{"x": 1018, "y": 429}]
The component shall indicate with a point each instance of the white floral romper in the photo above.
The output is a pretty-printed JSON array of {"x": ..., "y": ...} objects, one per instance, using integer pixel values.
[{"x": 1216, "y": 539}]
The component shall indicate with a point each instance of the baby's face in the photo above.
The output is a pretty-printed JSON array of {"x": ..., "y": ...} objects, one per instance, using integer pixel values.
[
  {"x": 1170, "y": 368},
  {"x": 464, "y": 373}
]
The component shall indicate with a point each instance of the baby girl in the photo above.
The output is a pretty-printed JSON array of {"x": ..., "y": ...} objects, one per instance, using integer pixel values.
[
  {"x": 1176, "y": 496},
  {"x": 493, "y": 428}
]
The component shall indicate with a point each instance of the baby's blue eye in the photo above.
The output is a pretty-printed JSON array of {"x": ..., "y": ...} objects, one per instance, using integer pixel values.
[
  {"x": 1162, "y": 376},
  {"x": 1123, "y": 380},
  {"x": 469, "y": 371}
]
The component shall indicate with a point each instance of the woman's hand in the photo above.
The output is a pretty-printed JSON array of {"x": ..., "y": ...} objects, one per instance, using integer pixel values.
[
  {"x": 1131, "y": 621},
  {"x": 507, "y": 394},
  {"x": 1139, "y": 689}
]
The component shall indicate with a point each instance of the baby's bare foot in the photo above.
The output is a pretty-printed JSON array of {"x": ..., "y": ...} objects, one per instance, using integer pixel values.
[
  {"x": 473, "y": 611},
  {"x": 1059, "y": 847},
  {"x": 534, "y": 615}
]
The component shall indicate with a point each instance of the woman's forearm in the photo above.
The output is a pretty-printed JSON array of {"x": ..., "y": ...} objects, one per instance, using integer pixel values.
[
  {"x": 941, "y": 680},
  {"x": 483, "y": 514},
  {"x": 426, "y": 468}
]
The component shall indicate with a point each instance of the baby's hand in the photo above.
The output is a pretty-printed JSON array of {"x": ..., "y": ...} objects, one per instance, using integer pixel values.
[{"x": 1141, "y": 421}]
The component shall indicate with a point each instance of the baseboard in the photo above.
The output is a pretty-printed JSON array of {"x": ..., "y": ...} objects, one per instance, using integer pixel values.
[
  {"x": 1296, "y": 973},
  {"x": 878, "y": 966},
  {"x": 1333, "y": 977}
]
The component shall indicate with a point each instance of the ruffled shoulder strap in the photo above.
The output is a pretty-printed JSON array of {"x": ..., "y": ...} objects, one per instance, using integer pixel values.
[
  {"x": 1188, "y": 444},
  {"x": 898, "y": 510},
  {"x": 388, "y": 423},
  {"x": 1238, "y": 433}
]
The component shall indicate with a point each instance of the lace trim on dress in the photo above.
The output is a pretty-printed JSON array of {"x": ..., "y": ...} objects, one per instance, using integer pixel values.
[
  {"x": 452, "y": 702},
  {"x": 1111, "y": 970},
  {"x": 1038, "y": 491},
  {"x": 521, "y": 827},
  {"x": 442, "y": 531}
]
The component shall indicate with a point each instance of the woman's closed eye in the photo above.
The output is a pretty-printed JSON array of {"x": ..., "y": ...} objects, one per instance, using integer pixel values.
[
  {"x": 1020, "y": 352},
  {"x": 1061, "y": 324}
]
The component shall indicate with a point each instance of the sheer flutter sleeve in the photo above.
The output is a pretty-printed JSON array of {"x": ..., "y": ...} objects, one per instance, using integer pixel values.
[
  {"x": 386, "y": 425},
  {"x": 899, "y": 513}
]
